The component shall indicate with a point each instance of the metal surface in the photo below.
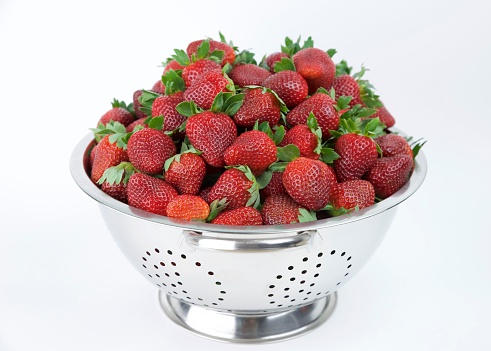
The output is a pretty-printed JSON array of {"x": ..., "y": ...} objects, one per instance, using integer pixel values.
[
  {"x": 237, "y": 271},
  {"x": 248, "y": 328}
]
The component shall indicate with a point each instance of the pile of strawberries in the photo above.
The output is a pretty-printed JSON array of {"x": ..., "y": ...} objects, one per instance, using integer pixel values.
[{"x": 223, "y": 139}]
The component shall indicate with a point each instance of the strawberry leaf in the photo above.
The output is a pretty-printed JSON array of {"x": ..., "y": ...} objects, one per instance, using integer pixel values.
[
  {"x": 278, "y": 166},
  {"x": 217, "y": 56},
  {"x": 417, "y": 146},
  {"x": 129, "y": 108},
  {"x": 264, "y": 179},
  {"x": 188, "y": 108},
  {"x": 287, "y": 153},
  {"x": 173, "y": 82},
  {"x": 343, "y": 68},
  {"x": 331, "y": 52},
  {"x": 279, "y": 135},
  {"x": 114, "y": 175},
  {"x": 216, "y": 207},
  {"x": 233, "y": 103},
  {"x": 181, "y": 57},
  {"x": 334, "y": 212},
  {"x": 146, "y": 100},
  {"x": 156, "y": 123},
  {"x": 286, "y": 64},
  {"x": 203, "y": 49},
  {"x": 306, "y": 215},
  {"x": 373, "y": 127},
  {"x": 328, "y": 155},
  {"x": 245, "y": 56}
]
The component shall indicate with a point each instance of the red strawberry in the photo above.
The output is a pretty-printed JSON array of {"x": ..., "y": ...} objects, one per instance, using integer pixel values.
[
  {"x": 172, "y": 64},
  {"x": 196, "y": 69},
  {"x": 351, "y": 194},
  {"x": 393, "y": 144},
  {"x": 290, "y": 86},
  {"x": 306, "y": 141},
  {"x": 186, "y": 172},
  {"x": 357, "y": 154},
  {"x": 206, "y": 87},
  {"x": 280, "y": 209},
  {"x": 166, "y": 106},
  {"x": 316, "y": 67},
  {"x": 275, "y": 186},
  {"x": 346, "y": 85},
  {"x": 149, "y": 193},
  {"x": 253, "y": 148},
  {"x": 273, "y": 58},
  {"x": 116, "y": 190},
  {"x": 118, "y": 113},
  {"x": 384, "y": 116},
  {"x": 148, "y": 149},
  {"x": 308, "y": 182},
  {"x": 211, "y": 133},
  {"x": 106, "y": 155},
  {"x": 136, "y": 105},
  {"x": 389, "y": 174},
  {"x": 239, "y": 216},
  {"x": 248, "y": 74},
  {"x": 322, "y": 106},
  {"x": 229, "y": 52},
  {"x": 138, "y": 122},
  {"x": 204, "y": 193},
  {"x": 235, "y": 186},
  {"x": 188, "y": 207},
  {"x": 258, "y": 105},
  {"x": 158, "y": 87}
]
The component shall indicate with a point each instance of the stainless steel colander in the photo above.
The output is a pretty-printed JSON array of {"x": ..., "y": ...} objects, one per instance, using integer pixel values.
[{"x": 245, "y": 284}]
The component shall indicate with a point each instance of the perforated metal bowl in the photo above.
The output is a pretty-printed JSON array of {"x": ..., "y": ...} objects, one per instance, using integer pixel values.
[{"x": 245, "y": 284}]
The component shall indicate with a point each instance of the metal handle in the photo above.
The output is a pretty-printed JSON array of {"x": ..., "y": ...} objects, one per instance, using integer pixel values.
[{"x": 244, "y": 242}]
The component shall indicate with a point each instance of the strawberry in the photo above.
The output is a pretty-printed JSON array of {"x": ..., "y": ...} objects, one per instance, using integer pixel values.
[
  {"x": 275, "y": 185},
  {"x": 204, "y": 193},
  {"x": 389, "y": 174},
  {"x": 149, "y": 193},
  {"x": 259, "y": 105},
  {"x": 206, "y": 87},
  {"x": 253, "y": 148},
  {"x": 119, "y": 112},
  {"x": 239, "y": 216},
  {"x": 352, "y": 194},
  {"x": 188, "y": 207},
  {"x": 185, "y": 172},
  {"x": 308, "y": 138},
  {"x": 211, "y": 133},
  {"x": 282, "y": 209},
  {"x": 322, "y": 106},
  {"x": 271, "y": 59},
  {"x": 393, "y": 144},
  {"x": 196, "y": 69},
  {"x": 139, "y": 122},
  {"x": 238, "y": 186},
  {"x": 165, "y": 106},
  {"x": 384, "y": 116},
  {"x": 290, "y": 86},
  {"x": 136, "y": 105},
  {"x": 308, "y": 182},
  {"x": 248, "y": 74},
  {"x": 346, "y": 85},
  {"x": 117, "y": 191},
  {"x": 357, "y": 154},
  {"x": 158, "y": 87},
  {"x": 172, "y": 64},
  {"x": 106, "y": 155},
  {"x": 228, "y": 50},
  {"x": 148, "y": 149},
  {"x": 316, "y": 66}
]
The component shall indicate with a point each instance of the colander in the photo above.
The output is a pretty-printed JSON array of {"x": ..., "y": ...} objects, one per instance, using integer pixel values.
[{"x": 245, "y": 284}]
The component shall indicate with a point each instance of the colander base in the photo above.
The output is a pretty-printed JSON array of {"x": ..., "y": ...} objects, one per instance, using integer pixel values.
[{"x": 248, "y": 327}]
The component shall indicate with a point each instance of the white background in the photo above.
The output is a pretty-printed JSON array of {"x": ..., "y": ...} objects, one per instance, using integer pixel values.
[{"x": 65, "y": 286}]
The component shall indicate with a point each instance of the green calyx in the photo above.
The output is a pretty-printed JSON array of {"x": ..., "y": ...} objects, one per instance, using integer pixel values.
[
  {"x": 117, "y": 174},
  {"x": 129, "y": 107},
  {"x": 216, "y": 207},
  {"x": 287, "y": 153},
  {"x": 306, "y": 215},
  {"x": 255, "y": 198},
  {"x": 370, "y": 127},
  {"x": 146, "y": 100},
  {"x": 277, "y": 135},
  {"x": 173, "y": 82},
  {"x": 188, "y": 108},
  {"x": 116, "y": 131},
  {"x": 314, "y": 128},
  {"x": 227, "y": 102},
  {"x": 286, "y": 64},
  {"x": 343, "y": 68},
  {"x": 245, "y": 56},
  {"x": 416, "y": 145},
  {"x": 292, "y": 47},
  {"x": 335, "y": 212}
]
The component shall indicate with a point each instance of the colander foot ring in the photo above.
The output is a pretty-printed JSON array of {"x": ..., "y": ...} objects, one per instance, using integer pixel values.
[{"x": 240, "y": 327}]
